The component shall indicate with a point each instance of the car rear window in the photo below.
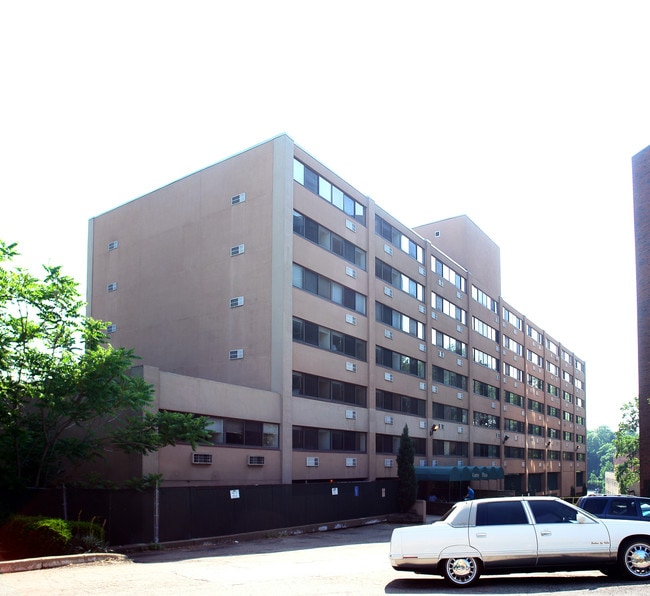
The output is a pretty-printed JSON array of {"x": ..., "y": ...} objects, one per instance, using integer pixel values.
[{"x": 498, "y": 514}]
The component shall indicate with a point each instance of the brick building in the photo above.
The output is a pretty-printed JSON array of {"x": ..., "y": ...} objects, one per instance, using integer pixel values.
[{"x": 311, "y": 326}]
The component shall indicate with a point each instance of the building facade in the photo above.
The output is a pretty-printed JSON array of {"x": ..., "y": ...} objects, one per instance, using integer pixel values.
[
  {"x": 311, "y": 327},
  {"x": 641, "y": 185}
]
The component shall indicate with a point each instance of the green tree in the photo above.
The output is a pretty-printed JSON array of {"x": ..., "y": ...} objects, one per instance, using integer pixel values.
[
  {"x": 626, "y": 442},
  {"x": 60, "y": 381},
  {"x": 600, "y": 456},
  {"x": 407, "y": 491}
]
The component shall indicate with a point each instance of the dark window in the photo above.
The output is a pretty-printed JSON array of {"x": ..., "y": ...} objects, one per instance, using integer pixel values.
[
  {"x": 500, "y": 514},
  {"x": 552, "y": 512}
]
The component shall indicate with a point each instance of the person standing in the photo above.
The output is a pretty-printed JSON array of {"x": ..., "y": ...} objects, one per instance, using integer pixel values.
[{"x": 470, "y": 493}]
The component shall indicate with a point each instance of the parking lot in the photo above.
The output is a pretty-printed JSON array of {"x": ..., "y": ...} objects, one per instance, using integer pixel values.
[{"x": 346, "y": 561}]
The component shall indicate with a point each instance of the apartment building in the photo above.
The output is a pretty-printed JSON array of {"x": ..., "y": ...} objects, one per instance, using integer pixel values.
[
  {"x": 641, "y": 185},
  {"x": 311, "y": 326}
]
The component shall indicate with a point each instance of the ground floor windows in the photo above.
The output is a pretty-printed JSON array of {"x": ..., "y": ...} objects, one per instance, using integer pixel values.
[{"x": 325, "y": 439}]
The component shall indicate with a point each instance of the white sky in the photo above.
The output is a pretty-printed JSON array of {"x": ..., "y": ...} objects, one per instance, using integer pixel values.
[{"x": 523, "y": 115}]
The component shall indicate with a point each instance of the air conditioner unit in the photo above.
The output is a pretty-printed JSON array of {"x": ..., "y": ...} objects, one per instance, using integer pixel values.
[
  {"x": 388, "y": 463},
  {"x": 255, "y": 460},
  {"x": 237, "y": 301},
  {"x": 113, "y": 245},
  {"x": 423, "y": 424},
  {"x": 388, "y": 376},
  {"x": 240, "y": 198},
  {"x": 237, "y": 250},
  {"x": 350, "y": 225},
  {"x": 351, "y": 367},
  {"x": 202, "y": 458},
  {"x": 388, "y": 249},
  {"x": 459, "y": 462},
  {"x": 388, "y": 334},
  {"x": 236, "y": 354},
  {"x": 350, "y": 462},
  {"x": 111, "y": 328},
  {"x": 434, "y": 462},
  {"x": 423, "y": 463},
  {"x": 351, "y": 272},
  {"x": 351, "y": 319},
  {"x": 388, "y": 291},
  {"x": 311, "y": 462},
  {"x": 460, "y": 430},
  {"x": 351, "y": 414},
  {"x": 388, "y": 420},
  {"x": 112, "y": 287}
]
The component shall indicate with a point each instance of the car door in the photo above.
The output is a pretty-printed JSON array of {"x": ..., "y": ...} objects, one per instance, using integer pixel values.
[
  {"x": 562, "y": 539},
  {"x": 503, "y": 534}
]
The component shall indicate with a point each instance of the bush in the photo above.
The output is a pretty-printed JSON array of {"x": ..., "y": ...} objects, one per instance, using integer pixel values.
[{"x": 25, "y": 537}]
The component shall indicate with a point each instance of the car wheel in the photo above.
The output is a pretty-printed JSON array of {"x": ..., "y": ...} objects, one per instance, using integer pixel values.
[
  {"x": 461, "y": 572},
  {"x": 634, "y": 560}
]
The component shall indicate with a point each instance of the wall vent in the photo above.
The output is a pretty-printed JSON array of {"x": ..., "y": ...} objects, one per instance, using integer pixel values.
[
  {"x": 350, "y": 225},
  {"x": 388, "y": 376},
  {"x": 389, "y": 420},
  {"x": 351, "y": 414},
  {"x": 204, "y": 459},
  {"x": 112, "y": 287},
  {"x": 311, "y": 462},
  {"x": 113, "y": 245},
  {"x": 255, "y": 460},
  {"x": 236, "y": 354},
  {"x": 388, "y": 463},
  {"x": 423, "y": 424},
  {"x": 351, "y": 319},
  {"x": 422, "y": 309},
  {"x": 237, "y": 250},
  {"x": 111, "y": 328},
  {"x": 350, "y": 462},
  {"x": 388, "y": 291},
  {"x": 240, "y": 198},
  {"x": 237, "y": 301}
]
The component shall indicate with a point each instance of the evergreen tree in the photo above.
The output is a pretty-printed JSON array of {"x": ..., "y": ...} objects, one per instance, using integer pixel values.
[{"x": 408, "y": 484}]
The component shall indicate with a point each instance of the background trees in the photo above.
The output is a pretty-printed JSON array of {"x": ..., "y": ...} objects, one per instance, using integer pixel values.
[
  {"x": 61, "y": 382},
  {"x": 626, "y": 443}
]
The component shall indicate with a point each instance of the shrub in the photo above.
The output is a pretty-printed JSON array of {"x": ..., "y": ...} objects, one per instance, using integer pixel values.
[{"x": 29, "y": 537}]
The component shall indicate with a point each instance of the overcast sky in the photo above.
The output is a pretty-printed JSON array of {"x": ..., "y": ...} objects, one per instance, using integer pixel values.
[{"x": 522, "y": 115}]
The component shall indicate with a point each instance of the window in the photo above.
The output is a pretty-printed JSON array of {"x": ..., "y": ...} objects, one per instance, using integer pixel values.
[
  {"x": 512, "y": 318},
  {"x": 399, "y": 362},
  {"x": 512, "y": 372},
  {"x": 397, "y": 320},
  {"x": 487, "y": 420},
  {"x": 449, "y": 274},
  {"x": 535, "y": 382},
  {"x": 398, "y": 280},
  {"x": 396, "y": 238},
  {"x": 535, "y": 430},
  {"x": 499, "y": 514},
  {"x": 394, "y": 402},
  {"x": 485, "y": 330},
  {"x": 486, "y": 390},
  {"x": 513, "y": 346},
  {"x": 486, "y": 450},
  {"x": 318, "y": 185},
  {"x": 534, "y": 334},
  {"x": 535, "y": 358},
  {"x": 448, "y": 343},
  {"x": 312, "y": 282},
  {"x": 313, "y": 231},
  {"x": 325, "y": 439},
  {"x": 552, "y": 368},
  {"x": 450, "y": 448},
  {"x": 451, "y": 413},
  {"x": 328, "y": 339},
  {"x": 482, "y": 298},
  {"x": 512, "y": 398},
  {"x": 307, "y": 385},
  {"x": 390, "y": 444},
  {"x": 449, "y": 308},
  {"x": 535, "y": 406},
  {"x": 553, "y": 433},
  {"x": 448, "y": 377},
  {"x": 552, "y": 512},
  {"x": 552, "y": 346},
  {"x": 515, "y": 426},
  {"x": 485, "y": 359},
  {"x": 248, "y": 433},
  {"x": 553, "y": 411}
]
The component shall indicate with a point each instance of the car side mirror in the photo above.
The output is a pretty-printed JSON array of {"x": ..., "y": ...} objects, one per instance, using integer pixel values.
[{"x": 580, "y": 518}]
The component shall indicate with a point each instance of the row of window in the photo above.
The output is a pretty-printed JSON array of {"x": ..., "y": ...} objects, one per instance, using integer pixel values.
[
  {"x": 250, "y": 433},
  {"x": 326, "y": 190}
]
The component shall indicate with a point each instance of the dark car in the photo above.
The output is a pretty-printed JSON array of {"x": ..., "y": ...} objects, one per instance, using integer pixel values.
[{"x": 616, "y": 506}]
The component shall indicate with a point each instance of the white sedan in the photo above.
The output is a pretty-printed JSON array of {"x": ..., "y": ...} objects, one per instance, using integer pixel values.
[{"x": 518, "y": 535}]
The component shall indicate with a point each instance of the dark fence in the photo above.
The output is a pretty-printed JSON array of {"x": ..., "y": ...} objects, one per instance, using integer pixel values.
[{"x": 136, "y": 517}]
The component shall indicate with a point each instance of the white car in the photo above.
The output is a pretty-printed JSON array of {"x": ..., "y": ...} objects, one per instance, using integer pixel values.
[{"x": 518, "y": 535}]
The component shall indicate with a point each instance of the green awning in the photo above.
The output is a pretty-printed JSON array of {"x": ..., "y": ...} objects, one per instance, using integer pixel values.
[{"x": 458, "y": 473}]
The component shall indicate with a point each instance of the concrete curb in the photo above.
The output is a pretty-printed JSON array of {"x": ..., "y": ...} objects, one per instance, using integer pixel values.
[{"x": 49, "y": 562}]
